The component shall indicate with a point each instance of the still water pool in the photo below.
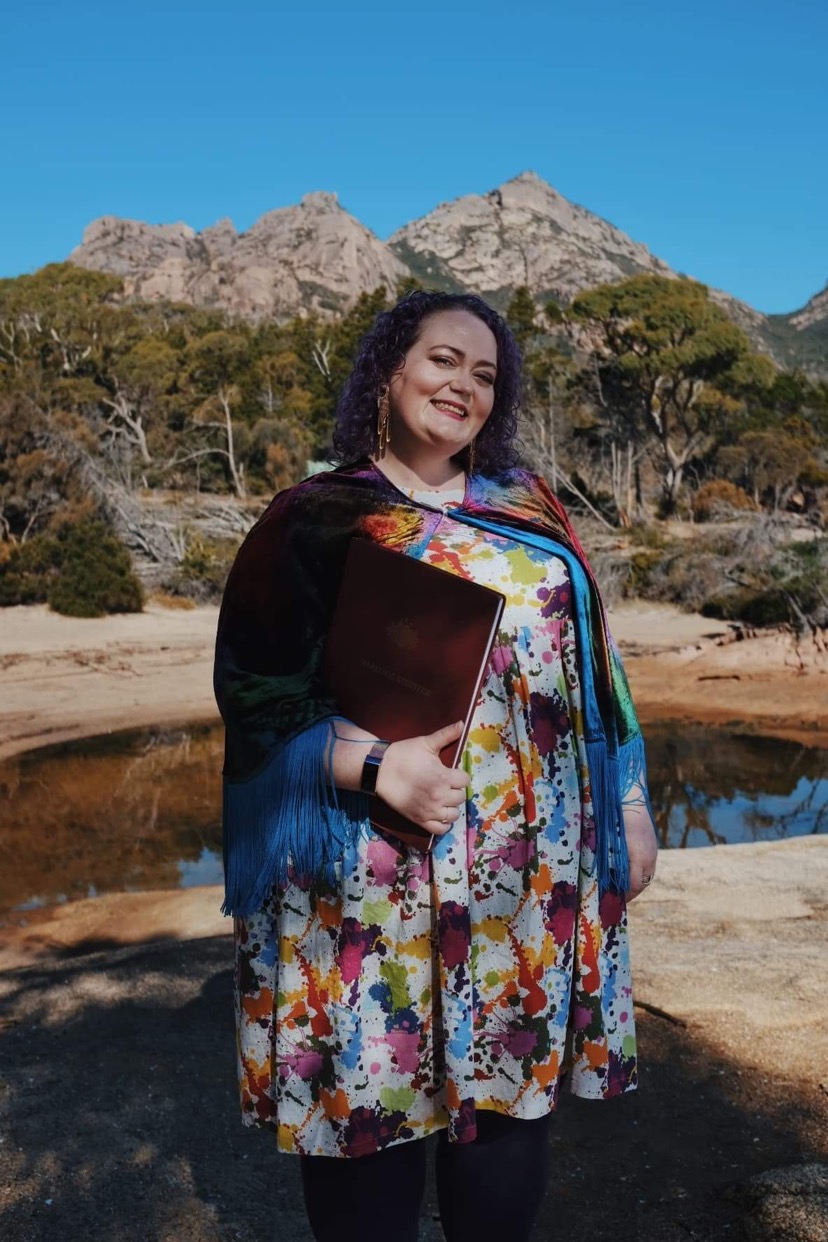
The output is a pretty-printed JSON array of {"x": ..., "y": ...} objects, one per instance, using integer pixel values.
[{"x": 141, "y": 809}]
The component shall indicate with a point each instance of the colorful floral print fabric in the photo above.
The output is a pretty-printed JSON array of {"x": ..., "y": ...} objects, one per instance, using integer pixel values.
[{"x": 427, "y": 988}]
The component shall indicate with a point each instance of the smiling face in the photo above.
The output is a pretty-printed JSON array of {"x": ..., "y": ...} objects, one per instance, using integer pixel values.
[{"x": 444, "y": 392}]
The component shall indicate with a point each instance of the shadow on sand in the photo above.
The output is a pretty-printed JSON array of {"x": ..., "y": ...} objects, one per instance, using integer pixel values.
[{"x": 120, "y": 1119}]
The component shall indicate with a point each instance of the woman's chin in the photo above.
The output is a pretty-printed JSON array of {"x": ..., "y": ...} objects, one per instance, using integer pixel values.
[{"x": 451, "y": 444}]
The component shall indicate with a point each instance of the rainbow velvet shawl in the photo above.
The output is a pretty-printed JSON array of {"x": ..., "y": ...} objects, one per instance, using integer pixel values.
[{"x": 283, "y": 819}]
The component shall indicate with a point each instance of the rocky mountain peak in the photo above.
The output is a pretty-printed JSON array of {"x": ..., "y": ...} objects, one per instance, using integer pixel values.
[
  {"x": 309, "y": 256},
  {"x": 320, "y": 200},
  {"x": 522, "y": 232},
  {"x": 124, "y": 247}
]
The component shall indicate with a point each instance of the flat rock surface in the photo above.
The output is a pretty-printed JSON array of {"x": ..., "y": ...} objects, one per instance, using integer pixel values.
[{"x": 120, "y": 1120}]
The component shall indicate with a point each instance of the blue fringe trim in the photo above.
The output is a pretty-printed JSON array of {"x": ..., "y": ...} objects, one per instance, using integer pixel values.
[
  {"x": 611, "y": 843},
  {"x": 632, "y": 773},
  {"x": 287, "y": 823}
]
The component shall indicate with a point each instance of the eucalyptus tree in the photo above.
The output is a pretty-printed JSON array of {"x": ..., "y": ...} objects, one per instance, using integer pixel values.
[
  {"x": 667, "y": 362},
  {"x": 216, "y": 364}
]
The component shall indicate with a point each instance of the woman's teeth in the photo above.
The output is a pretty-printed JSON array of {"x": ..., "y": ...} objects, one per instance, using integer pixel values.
[{"x": 450, "y": 409}]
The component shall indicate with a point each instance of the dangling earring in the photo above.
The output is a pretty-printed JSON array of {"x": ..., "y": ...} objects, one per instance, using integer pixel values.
[
  {"x": 471, "y": 456},
  {"x": 383, "y": 430}
]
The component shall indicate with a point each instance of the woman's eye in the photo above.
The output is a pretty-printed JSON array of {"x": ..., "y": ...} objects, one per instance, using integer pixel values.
[
  {"x": 487, "y": 379},
  {"x": 450, "y": 361}
]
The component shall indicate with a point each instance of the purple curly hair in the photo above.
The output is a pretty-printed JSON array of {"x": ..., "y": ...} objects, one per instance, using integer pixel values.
[{"x": 382, "y": 351}]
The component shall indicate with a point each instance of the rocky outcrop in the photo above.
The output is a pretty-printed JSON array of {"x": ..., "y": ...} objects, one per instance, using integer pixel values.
[
  {"x": 526, "y": 233},
  {"x": 523, "y": 233},
  {"x": 812, "y": 313},
  {"x": 314, "y": 256},
  {"x": 317, "y": 257},
  {"x": 784, "y": 1205}
]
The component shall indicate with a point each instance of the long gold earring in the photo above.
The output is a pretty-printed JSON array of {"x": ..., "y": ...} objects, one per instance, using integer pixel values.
[
  {"x": 383, "y": 414},
  {"x": 471, "y": 456}
]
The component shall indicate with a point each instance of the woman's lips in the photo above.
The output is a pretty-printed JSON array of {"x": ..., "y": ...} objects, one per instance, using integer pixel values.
[{"x": 450, "y": 411}]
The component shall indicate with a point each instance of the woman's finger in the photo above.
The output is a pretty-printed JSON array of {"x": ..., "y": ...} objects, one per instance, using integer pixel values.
[
  {"x": 446, "y": 813},
  {"x": 435, "y": 827},
  {"x": 641, "y": 882},
  {"x": 451, "y": 799}
]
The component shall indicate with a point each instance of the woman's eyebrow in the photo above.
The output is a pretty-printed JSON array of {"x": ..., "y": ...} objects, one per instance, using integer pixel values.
[{"x": 484, "y": 362}]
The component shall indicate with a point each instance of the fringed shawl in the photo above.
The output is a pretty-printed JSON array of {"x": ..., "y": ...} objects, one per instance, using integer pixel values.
[{"x": 283, "y": 817}]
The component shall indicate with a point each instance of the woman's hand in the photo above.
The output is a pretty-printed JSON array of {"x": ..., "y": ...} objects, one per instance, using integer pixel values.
[
  {"x": 642, "y": 847},
  {"x": 413, "y": 779}
]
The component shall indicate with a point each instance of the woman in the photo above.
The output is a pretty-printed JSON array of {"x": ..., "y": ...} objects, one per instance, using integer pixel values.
[{"x": 384, "y": 994}]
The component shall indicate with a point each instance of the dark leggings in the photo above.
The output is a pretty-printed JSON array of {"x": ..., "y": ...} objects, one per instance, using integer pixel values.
[{"x": 488, "y": 1189}]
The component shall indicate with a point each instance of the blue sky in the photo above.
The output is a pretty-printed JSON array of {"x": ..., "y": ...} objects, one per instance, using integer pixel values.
[{"x": 701, "y": 131}]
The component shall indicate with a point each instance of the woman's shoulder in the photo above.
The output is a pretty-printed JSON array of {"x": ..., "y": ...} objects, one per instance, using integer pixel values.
[
  {"x": 515, "y": 477},
  {"x": 313, "y": 499},
  {"x": 294, "y": 497},
  {"x": 522, "y": 474}
]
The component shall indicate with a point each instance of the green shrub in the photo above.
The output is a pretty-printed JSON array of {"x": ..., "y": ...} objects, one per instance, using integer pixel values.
[
  {"x": 25, "y": 570},
  {"x": 643, "y": 563},
  {"x": 79, "y": 568},
  {"x": 648, "y": 535},
  {"x": 95, "y": 574},
  {"x": 813, "y": 474},
  {"x": 203, "y": 571},
  {"x": 790, "y": 585},
  {"x": 753, "y": 607},
  {"x": 685, "y": 574}
]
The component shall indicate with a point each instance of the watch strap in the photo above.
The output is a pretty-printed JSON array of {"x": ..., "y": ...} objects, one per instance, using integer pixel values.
[{"x": 370, "y": 768}]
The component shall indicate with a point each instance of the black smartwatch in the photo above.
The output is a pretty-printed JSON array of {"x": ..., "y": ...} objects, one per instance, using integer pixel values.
[{"x": 370, "y": 768}]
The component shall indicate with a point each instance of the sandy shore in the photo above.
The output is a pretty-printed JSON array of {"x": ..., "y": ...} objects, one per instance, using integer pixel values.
[
  {"x": 65, "y": 678},
  {"x": 686, "y": 668}
]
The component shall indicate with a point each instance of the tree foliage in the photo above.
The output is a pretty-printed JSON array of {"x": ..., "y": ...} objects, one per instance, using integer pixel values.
[
  {"x": 521, "y": 314},
  {"x": 634, "y": 396},
  {"x": 669, "y": 363}
]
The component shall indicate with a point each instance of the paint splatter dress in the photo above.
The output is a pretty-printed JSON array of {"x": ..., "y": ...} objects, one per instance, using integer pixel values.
[{"x": 429, "y": 988}]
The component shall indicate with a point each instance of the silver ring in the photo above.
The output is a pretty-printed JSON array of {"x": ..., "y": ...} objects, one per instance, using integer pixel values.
[{"x": 646, "y": 879}]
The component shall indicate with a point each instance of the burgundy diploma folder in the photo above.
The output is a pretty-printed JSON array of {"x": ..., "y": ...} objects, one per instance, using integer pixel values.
[{"x": 406, "y": 653}]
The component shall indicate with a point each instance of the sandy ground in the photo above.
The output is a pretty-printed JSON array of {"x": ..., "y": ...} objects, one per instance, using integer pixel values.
[
  {"x": 118, "y": 1113},
  {"x": 66, "y": 677},
  {"x": 63, "y": 678},
  {"x": 686, "y": 668}
]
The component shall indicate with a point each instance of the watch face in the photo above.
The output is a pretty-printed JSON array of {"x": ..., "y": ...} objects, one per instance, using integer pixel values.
[{"x": 370, "y": 768}]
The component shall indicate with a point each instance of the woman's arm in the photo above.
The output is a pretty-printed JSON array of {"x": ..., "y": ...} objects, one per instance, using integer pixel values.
[
  {"x": 642, "y": 842},
  {"x": 412, "y": 777},
  {"x": 347, "y": 759}
]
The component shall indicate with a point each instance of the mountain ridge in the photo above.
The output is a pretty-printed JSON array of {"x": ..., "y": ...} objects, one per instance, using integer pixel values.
[{"x": 315, "y": 256}]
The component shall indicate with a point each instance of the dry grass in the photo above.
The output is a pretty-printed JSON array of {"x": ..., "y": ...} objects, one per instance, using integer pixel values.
[{"x": 164, "y": 600}]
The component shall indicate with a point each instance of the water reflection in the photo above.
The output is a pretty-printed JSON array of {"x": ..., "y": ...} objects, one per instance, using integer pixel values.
[
  {"x": 126, "y": 811},
  {"x": 712, "y": 788},
  {"x": 141, "y": 810}
]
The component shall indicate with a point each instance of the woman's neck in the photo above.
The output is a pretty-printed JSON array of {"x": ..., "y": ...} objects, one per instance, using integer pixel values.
[{"x": 435, "y": 476}]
